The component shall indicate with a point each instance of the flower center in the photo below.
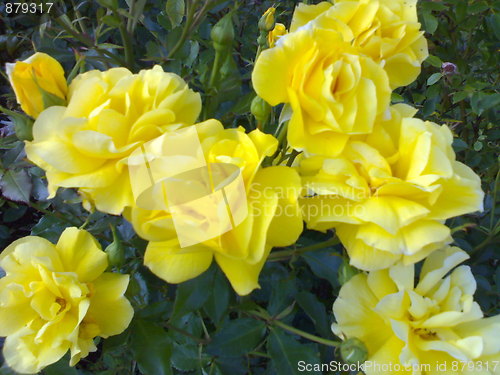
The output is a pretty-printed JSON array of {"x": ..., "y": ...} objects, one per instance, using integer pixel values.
[
  {"x": 425, "y": 333},
  {"x": 62, "y": 303}
]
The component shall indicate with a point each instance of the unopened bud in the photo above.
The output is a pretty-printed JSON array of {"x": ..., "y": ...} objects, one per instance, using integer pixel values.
[
  {"x": 449, "y": 68},
  {"x": 353, "y": 351},
  {"x": 222, "y": 33},
  {"x": 260, "y": 109},
  {"x": 267, "y": 21},
  {"x": 115, "y": 251},
  {"x": 278, "y": 31}
]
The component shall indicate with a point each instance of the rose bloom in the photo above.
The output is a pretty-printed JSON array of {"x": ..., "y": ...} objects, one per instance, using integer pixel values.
[
  {"x": 269, "y": 200},
  {"x": 56, "y": 298},
  {"x": 386, "y": 30},
  {"x": 39, "y": 72},
  {"x": 109, "y": 114},
  {"x": 429, "y": 327},
  {"x": 333, "y": 91},
  {"x": 389, "y": 193}
]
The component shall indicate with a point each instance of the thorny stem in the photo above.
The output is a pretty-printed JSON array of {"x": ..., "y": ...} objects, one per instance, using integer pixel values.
[
  {"x": 89, "y": 43},
  {"x": 127, "y": 45},
  {"x": 274, "y": 322},
  {"x": 39, "y": 208},
  {"x": 494, "y": 198},
  {"x": 215, "y": 69},
  {"x": 279, "y": 255},
  {"x": 185, "y": 333},
  {"x": 187, "y": 29}
]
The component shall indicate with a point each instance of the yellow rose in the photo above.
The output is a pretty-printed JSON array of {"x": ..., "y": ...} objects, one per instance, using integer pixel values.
[
  {"x": 29, "y": 77},
  {"x": 429, "y": 327},
  {"x": 386, "y": 30},
  {"x": 268, "y": 200},
  {"x": 389, "y": 193},
  {"x": 109, "y": 114},
  {"x": 333, "y": 91},
  {"x": 56, "y": 298}
]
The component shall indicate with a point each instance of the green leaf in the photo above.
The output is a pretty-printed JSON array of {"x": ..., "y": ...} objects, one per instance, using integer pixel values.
[
  {"x": 136, "y": 13},
  {"x": 459, "y": 96},
  {"x": 186, "y": 357},
  {"x": 237, "y": 337},
  {"x": 493, "y": 22},
  {"x": 111, "y": 20},
  {"x": 16, "y": 185},
  {"x": 324, "y": 265},
  {"x": 23, "y": 127},
  {"x": 430, "y": 23},
  {"x": 433, "y": 6},
  {"x": 287, "y": 354},
  {"x": 316, "y": 311},
  {"x": 218, "y": 300},
  {"x": 50, "y": 100},
  {"x": 175, "y": 11},
  {"x": 23, "y": 124},
  {"x": 49, "y": 227},
  {"x": 192, "y": 294},
  {"x": 14, "y": 213},
  {"x": 459, "y": 145},
  {"x": 396, "y": 98},
  {"x": 151, "y": 347},
  {"x": 193, "y": 53},
  {"x": 430, "y": 106},
  {"x": 478, "y": 7},
  {"x": 61, "y": 367},
  {"x": 434, "y": 61},
  {"x": 111, "y": 4},
  {"x": 231, "y": 366},
  {"x": 109, "y": 46},
  {"x": 9, "y": 142},
  {"x": 137, "y": 291},
  {"x": 482, "y": 101},
  {"x": 434, "y": 78}
]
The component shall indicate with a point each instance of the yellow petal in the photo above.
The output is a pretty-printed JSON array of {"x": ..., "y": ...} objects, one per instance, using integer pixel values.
[
  {"x": 81, "y": 253},
  {"x": 286, "y": 183},
  {"x": 461, "y": 194},
  {"x": 361, "y": 255},
  {"x": 174, "y": 264},
  {"x": 109, "y": 309},
  {"x": 355, "y": 315},
  {"x": 304, "y": 13},
  {"x": 23, "y": 355},
  {"x": 423, "y": 233},
  {"x": 243, "y": 276},
  {"x": 437, "y": 265},
  {"x": 112, "y": 200}
]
